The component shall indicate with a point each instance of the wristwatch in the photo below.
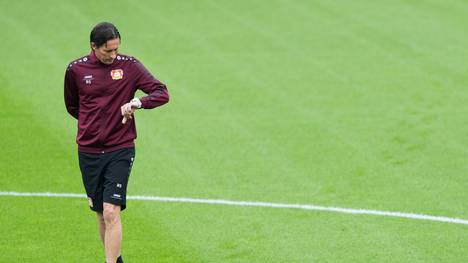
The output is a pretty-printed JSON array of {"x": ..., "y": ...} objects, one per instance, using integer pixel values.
[{"x": 136, "y": 103}]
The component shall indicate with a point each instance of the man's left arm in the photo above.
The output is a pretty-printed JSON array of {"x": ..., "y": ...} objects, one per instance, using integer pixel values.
[{"x": 156, "y": 91}]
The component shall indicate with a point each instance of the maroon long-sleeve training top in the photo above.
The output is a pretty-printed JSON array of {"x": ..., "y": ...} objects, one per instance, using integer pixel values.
[{"x": 94, "y": 93}]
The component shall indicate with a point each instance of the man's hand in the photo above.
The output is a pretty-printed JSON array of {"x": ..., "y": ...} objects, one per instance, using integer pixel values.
[{"x": 128, "y": 109}]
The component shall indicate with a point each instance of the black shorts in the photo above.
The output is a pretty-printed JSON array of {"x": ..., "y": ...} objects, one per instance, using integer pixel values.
[{"x": 105, "y": 176}]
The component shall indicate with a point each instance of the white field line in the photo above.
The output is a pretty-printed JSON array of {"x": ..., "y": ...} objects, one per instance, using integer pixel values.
[{"x": 261, "y": 204}]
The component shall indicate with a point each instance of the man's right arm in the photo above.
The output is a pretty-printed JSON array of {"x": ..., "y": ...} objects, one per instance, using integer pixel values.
[{"x": 71, "y": 94}]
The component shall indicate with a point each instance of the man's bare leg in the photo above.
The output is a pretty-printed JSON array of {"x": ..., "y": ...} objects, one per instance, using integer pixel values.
[
  {"x": 113, "y": 232},
  {"x": 101, "y": 226}
]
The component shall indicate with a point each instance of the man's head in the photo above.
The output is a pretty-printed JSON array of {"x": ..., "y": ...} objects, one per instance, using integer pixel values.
[{"x": 105, "y": 41}]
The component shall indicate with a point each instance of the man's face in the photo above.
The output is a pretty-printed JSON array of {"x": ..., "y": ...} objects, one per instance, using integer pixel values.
[{"x": 107, "y": 52}]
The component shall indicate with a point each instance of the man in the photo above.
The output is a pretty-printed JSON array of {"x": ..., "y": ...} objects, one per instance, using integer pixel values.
[{"x": 99, "y": 93}]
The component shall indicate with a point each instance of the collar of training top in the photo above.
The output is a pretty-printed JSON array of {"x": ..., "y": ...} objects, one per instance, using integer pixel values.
[{"x": 94, "y": 59}]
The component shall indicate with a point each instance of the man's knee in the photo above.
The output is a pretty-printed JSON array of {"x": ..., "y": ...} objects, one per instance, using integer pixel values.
[{"x": 111, "y": 213}]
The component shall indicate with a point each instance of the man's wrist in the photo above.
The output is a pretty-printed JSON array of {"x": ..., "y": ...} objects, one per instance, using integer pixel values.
[{"x": 136, "y": 103}]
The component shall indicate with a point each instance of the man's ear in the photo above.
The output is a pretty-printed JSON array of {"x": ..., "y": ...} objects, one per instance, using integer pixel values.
[{"x": 93, "y": 46}]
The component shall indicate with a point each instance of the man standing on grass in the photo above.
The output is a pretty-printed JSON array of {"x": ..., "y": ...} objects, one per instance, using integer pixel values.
[{"x": 99, "y": 93}]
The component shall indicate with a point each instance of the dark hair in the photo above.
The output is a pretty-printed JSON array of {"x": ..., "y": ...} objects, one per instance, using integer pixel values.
[{"x": 103, "y": 32}]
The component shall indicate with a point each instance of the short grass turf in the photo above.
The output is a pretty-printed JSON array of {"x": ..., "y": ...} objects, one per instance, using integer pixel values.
[{"x": 358, "y": 104}]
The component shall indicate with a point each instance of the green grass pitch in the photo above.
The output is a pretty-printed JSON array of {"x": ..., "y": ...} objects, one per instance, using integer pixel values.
[{"x": 357, "y": 104}]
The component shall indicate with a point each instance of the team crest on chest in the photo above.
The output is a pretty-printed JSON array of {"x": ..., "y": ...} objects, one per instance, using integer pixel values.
[{"x": 117, "y": 74}]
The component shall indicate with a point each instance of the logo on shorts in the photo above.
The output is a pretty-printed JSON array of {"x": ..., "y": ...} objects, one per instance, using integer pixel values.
[
  {"x": 119, "y": 185},
  {"x": 116, "y": 196},
  {"x": 90, "y": 201},
  {"x": 117, "y": 74}
]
